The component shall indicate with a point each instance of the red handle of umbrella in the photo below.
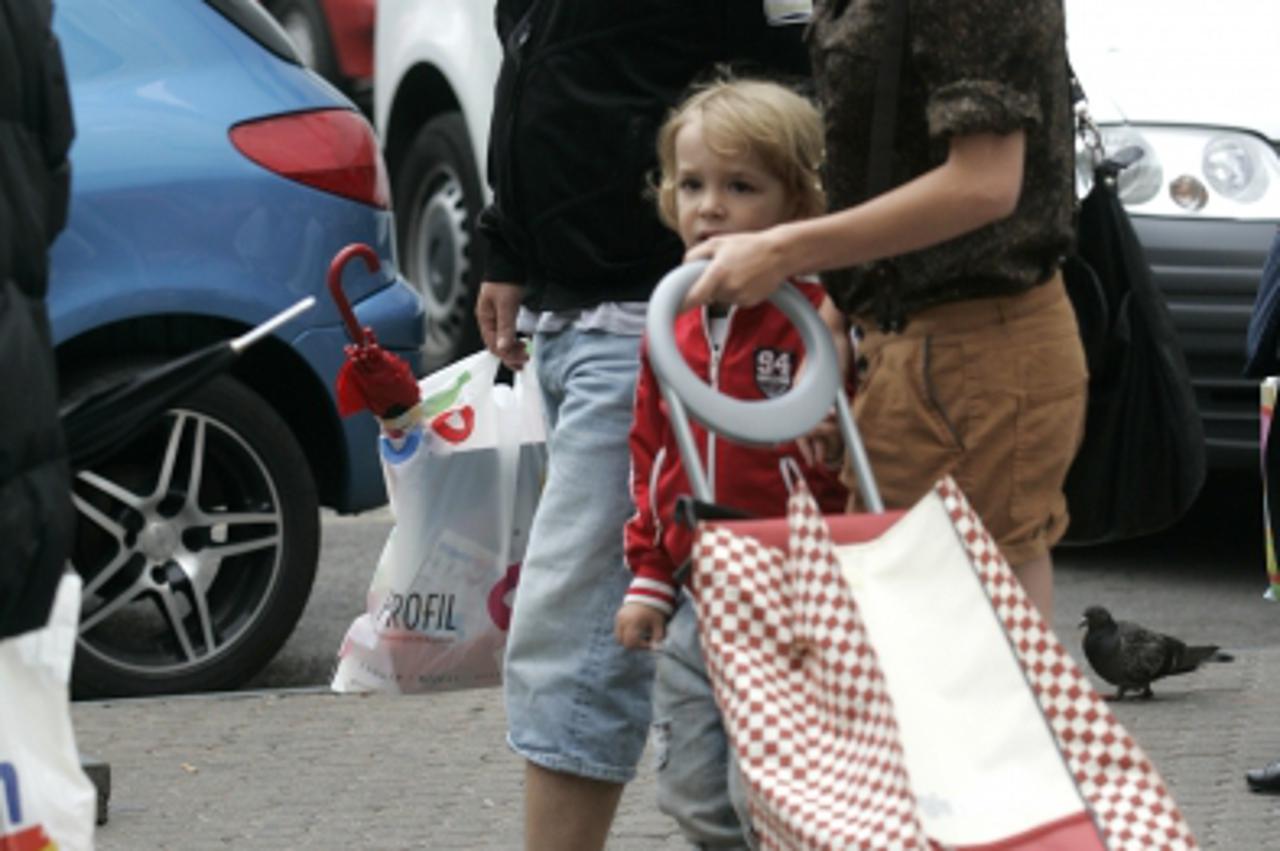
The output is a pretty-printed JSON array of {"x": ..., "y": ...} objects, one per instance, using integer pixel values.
[{"x": 370, "y": 257}]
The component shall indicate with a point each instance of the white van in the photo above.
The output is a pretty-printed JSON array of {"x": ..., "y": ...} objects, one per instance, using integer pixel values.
[
  {"x": 435, "y": 67},
  {"x": 1197, "y": 86}
]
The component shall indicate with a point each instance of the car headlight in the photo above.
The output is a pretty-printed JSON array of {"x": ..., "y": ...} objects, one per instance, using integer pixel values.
[
  {"x": 1235, "y": 167},
  {"x": 1138, "y": 183},
  {"x": 1195, "y": 171}
]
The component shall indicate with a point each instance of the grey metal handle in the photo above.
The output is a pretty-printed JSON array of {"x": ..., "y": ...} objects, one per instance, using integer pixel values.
[{"x": 768, "y": 421}]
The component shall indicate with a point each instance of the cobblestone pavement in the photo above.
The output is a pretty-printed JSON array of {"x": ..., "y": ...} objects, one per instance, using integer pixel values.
[{"x": 307, "y": 769}]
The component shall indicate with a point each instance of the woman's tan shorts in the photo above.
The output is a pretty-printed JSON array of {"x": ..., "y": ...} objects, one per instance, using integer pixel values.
[{"x": 991, "y": 391}]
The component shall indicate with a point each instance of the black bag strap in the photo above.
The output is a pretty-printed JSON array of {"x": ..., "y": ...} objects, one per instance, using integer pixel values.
[
  {"x": 884, "y": 119},
  {"x": 1077, "y": 90},
  {"x": 1082, "y": 121},
  {"x": 689, "y": 512}
]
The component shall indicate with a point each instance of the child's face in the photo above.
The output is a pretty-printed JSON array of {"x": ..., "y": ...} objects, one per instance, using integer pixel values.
[{"x": 717, "y": 194}]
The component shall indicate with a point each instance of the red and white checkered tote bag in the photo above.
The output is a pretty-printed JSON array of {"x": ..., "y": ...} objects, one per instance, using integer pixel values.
[
  {"x": 886, "y": 683},
  {"x": 883, "y": 678}
]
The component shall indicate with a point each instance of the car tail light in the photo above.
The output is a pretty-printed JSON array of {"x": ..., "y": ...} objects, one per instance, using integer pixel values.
[{"x": 333, "y": 150}]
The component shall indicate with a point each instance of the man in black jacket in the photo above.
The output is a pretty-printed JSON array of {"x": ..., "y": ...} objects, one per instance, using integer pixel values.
[
  {"x": 35, "y": 496},
  {"x": 575, "y": 248}
]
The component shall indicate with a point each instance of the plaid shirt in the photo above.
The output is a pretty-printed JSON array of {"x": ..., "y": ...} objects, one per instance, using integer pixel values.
[{"x": 973, "y": 66}]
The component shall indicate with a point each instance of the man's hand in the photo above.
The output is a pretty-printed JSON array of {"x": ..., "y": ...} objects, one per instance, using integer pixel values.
[
  {"x": 496, "y": 307},
  {"x": 640, "y": 627}
]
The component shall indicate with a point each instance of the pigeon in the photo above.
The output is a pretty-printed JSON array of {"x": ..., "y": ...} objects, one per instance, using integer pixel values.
[{"x": 1131, "y": 657}]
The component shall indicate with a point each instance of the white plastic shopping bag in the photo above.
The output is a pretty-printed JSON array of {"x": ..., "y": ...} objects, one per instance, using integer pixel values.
[
  {"x": 46, "y": 801},
  {"x": 463, "y": 486}
]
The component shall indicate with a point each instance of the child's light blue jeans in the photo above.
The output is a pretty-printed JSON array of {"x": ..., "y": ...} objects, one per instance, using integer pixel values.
[{"x": 699, "y": 785}]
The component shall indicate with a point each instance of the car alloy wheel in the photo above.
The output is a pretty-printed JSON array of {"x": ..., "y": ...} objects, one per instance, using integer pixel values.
[{"x": 197, "y": 544}]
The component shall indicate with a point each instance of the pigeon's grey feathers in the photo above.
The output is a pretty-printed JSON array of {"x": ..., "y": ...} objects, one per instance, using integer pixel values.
[{"x": 1131, "y": 657}]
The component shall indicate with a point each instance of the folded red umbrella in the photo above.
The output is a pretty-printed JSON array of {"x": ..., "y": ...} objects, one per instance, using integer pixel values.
[{"x": 372, "y": 378}]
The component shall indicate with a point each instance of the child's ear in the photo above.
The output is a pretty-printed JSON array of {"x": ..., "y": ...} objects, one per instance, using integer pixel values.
[
  {"x": 797, "y": 208},
  {"x": 808, "y": 203}
]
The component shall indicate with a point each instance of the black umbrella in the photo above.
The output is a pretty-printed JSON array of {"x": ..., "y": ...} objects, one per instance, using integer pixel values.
[{"x": 97, "y": 425}]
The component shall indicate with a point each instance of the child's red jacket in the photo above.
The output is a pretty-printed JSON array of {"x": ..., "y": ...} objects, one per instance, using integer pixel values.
[{"x": 759, "y": 359}]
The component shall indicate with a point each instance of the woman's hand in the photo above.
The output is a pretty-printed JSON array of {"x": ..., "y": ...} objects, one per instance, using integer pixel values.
[
  {"x": 979, "y": 183},
  {"x": 746, "y": 268},
  {"x": 640, "y": 627}
]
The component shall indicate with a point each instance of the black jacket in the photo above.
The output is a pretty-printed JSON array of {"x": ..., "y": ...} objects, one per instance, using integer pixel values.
[
  {"x": 35, "y": 132},
  {"x": 583, "y": 88}
]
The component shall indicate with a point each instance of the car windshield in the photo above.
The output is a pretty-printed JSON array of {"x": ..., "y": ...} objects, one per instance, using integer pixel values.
[{"x": 1179, "y": 61}]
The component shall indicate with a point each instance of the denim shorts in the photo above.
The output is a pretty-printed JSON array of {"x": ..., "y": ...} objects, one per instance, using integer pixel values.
[{"x": 577, "y": 701}]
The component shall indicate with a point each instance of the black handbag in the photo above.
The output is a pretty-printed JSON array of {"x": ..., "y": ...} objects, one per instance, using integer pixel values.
[{"x": 1142, "y": 461}]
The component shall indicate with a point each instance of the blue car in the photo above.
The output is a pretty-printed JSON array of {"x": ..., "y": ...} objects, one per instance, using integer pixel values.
[{"x": 214, "y": 178}]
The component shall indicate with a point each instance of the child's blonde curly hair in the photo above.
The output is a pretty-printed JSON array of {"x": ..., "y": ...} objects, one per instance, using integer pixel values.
[{"x": 767, "y": 119}]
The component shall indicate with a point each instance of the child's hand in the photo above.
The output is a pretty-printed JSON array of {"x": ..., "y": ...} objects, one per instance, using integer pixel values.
[
  {"x": 640, "y": 627},
  {"x": 823, "y": 446}
]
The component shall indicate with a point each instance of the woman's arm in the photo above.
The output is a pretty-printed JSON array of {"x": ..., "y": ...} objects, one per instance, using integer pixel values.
[{"x": 979, "y": 183}]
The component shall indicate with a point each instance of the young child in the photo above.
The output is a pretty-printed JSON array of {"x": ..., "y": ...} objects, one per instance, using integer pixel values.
[{"x": 736, "y": 156}]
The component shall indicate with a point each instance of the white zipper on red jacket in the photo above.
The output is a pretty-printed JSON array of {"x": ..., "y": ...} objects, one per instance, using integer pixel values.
[{"x": 714, "y": 370}]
